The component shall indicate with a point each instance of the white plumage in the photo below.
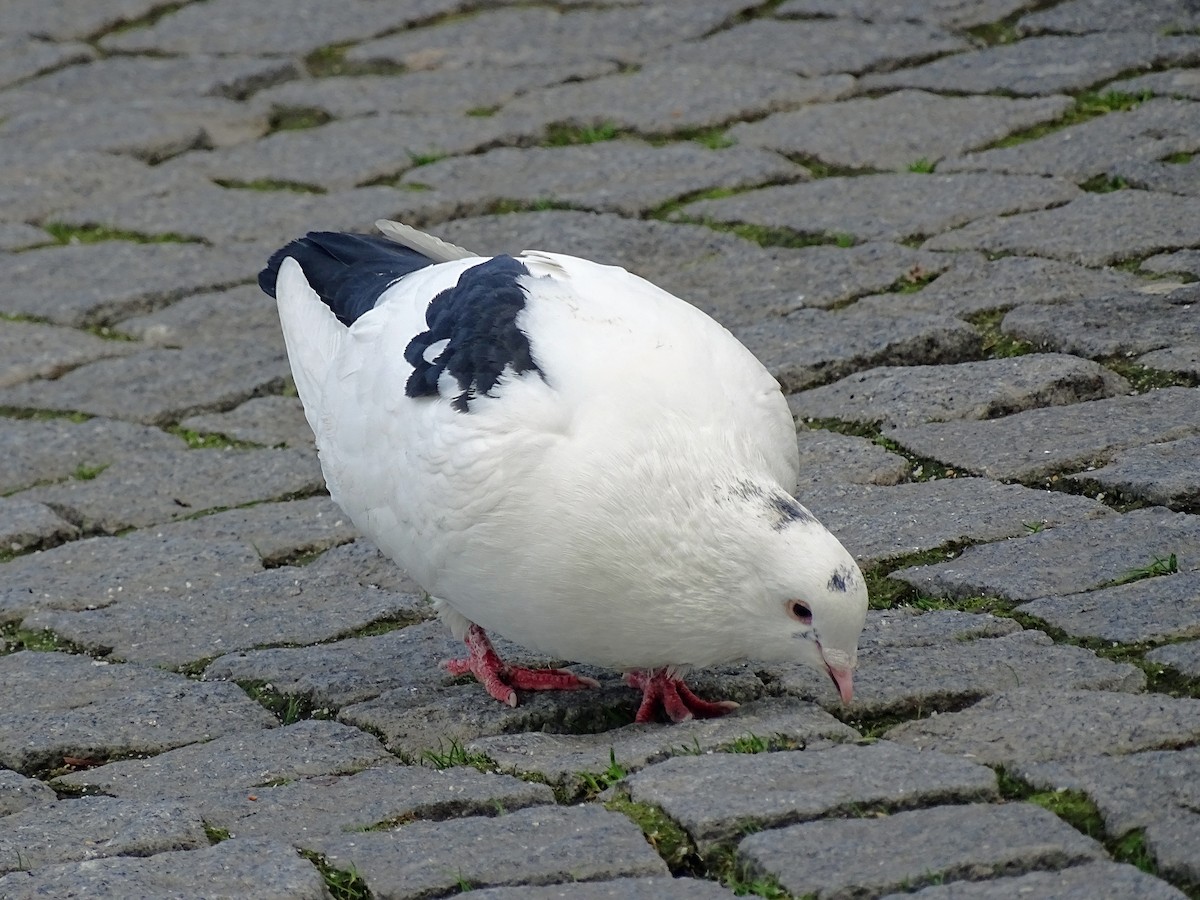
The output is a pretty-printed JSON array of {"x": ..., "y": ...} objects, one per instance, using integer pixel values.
[{"x": 583, "y": 463}]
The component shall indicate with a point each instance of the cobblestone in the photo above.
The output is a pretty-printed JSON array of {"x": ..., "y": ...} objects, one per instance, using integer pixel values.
[{"x": 883, "y": 198}]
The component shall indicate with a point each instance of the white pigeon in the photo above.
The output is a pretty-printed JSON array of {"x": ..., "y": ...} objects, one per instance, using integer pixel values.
[{"x": 564, "y": 454}]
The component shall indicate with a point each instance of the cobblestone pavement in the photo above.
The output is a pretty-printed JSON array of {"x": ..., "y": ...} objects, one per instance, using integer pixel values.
[{"x": 963, "y": 235}]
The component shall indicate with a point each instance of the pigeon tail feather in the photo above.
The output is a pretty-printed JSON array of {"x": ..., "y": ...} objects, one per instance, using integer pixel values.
[{"x": 312, "y": 333}]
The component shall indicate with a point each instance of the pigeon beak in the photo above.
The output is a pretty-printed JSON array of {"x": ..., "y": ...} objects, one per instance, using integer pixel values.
[
  {"x": 843, "y": 680},
  {"x": 840, "y": 666}
]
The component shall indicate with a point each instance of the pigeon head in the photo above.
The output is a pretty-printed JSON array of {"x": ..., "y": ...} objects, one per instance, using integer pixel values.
[{"x": 811, "y": 599}]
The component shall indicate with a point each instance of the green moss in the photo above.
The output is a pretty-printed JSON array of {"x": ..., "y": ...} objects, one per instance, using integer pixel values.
[
  {"x": 1087, "y": 106},
  {"x": 666, "y": 837},
  {"x": 41, "y": 640},
  {"x": 270, "y": 184},
  {"x": 87, "y": 473},
  {"x": 1178, "y": 159},
  {"x": 1143, "y": 378},
  {"x": 1105, "y": 184},
  {"x": 995, "y": 33},
  {"x": 722, "y": 864},
  {"x": 144, "y": 21},
  {"x": 767, "y": 236},
  {"x": 298, "y": 118},
  {"x": 913, "y": 280},
  {"x": 482, "y": 112},
  {"x": 921, "y": 166},
  {"x": 425, "y": 159},
  {"x": 326, "y": 61},
  {"x": 208, "y": 441},
  {"x": 94, "y": 234},
  {"x": 995, "y": 343},
  {"x": 288, "y": 709},
  {"x": 215, "y": 834}
]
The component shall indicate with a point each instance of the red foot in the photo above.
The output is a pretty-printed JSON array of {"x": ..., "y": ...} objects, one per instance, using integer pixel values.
[
  {"x": 499, "y": 678},
  {"x": 675, "y": 697}
]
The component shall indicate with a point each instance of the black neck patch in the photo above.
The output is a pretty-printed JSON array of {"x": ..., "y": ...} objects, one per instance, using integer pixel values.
[
  {"x": 478, "y": 320},
  {"x": 348, "y": 271}
]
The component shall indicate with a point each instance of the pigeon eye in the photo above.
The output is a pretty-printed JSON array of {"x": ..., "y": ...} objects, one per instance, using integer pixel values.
[{"x": 800, "y": 612}]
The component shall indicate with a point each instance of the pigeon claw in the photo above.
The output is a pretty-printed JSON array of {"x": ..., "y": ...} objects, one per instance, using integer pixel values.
[
  {"x": 675, "y": 698},
  {"x": 500, "y": 679}
]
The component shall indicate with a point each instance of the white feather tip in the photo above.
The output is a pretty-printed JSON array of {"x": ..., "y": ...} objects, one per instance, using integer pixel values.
[{"x": 426, "y": 244}]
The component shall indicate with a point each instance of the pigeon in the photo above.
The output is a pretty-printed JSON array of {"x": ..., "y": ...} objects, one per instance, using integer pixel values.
[{"x": 564, "y": 454}]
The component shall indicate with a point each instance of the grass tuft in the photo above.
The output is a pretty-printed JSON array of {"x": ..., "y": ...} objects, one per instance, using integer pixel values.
[
  {"x": 446, "y": 757},
  {"x": 596, "y": 784},
  {"x": 343, "y": 884},
  {"x": 1160, "y": 565},
  {"x": 562, "y": 135},
  {"x": 1143, "y": 378},
  {"x": 215, "y": 834}
]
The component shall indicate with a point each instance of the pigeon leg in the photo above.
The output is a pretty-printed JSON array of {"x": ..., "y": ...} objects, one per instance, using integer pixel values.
[
  {"x": 675, "y": 697},
  {"x": 499, "y": 678}
]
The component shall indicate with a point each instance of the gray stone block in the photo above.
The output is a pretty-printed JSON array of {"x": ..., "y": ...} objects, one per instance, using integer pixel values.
[
  {"x": 1123, "y": 324},
  {"x": 1038, "y": 443},
  {"x": 908, "y": 680},
  {"x": 910, "y": 627},
  {"x": 159, "y": 386},
  {"x": 208, "y": 318},
  {"x": 277, "y": 532},
  {"x": 867, "y": 857},
  {"x": 93, "y": 827},
  {"x": 1164, "y": 474},
  {"x": 885, "y": 207},
  {"x": 361, "y": 562},
  {"x": 18, "y": 792},
  {"x": 811, "y": 346},
  {"x": 1084, "y": 16},
  {"x": 37, "y": 185},
  {"x": 1169, "y": 177},
  {"x": 153, "y": 487},
  {"x": 19, "y": 236},
  {"x": 880, "y": 523},
  {"x": 911, "y": 395},
  {"x": 349, "y": 671},
  {"x": 1184, "y": 657},
  {"x": 1153, "y": 609},
  {"x": 947, "y": 13},
  {"x": 24, "y": 58},
  {"x": 226, "y": 216},
  {"x": 1044, "y": 65},
  {"x": 55, "y": 705},
  {"x": 819, "y": 46},
  {"x": 531, "y": 846},
  {"x": 27, "y": 525},
  {"x": 91, "y": 284},
  {"x": 827, "y": 457},
  {"x": 378, "y": 798},
  {"x": 974, "y": 285},
  {"x": 99, "y": 571},
  {"x": 286, "y": 605},
  {"x": 1117, "y": 881},
  {"x": 619, "y": 889},
  {"x": 237, "y": 762},
  {"x": 730, "y": 278},
  {"x": 1093, "y": 230},
  {"x": 450, "y": 92},
  {"x": 352, "y": 152},
  {"x": 1184, "y": 360},
  {"x": 262, "y": 869},
  {"x": 716, "y": 797},
  {"x": 1172, "y": 842},
  {"x": 623, "y": 176},
  {"x": 1132, "y": 791},
  {"x": 149, "y": 128},
  {"x": 147, "y": 76},
  {"x": 560, "y": 758},
  {"x": 861, "y": 133},
  {"x": 672, "y": 97},
  {"x": 280, "y": 26},
  {"x": 1034, "y": 725},
  {"x": 1171, "y": 83},
  {"x": 499, "y": 38},
  {"x": 1181, "y": 261},
  {"x": 1105, "y": 144},
  {"x": 1064, "y": 560},
  {"x": 32, "y": 350},
  {"x": 72, "y": 18},
  {"x": 270, "y": 421}
]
